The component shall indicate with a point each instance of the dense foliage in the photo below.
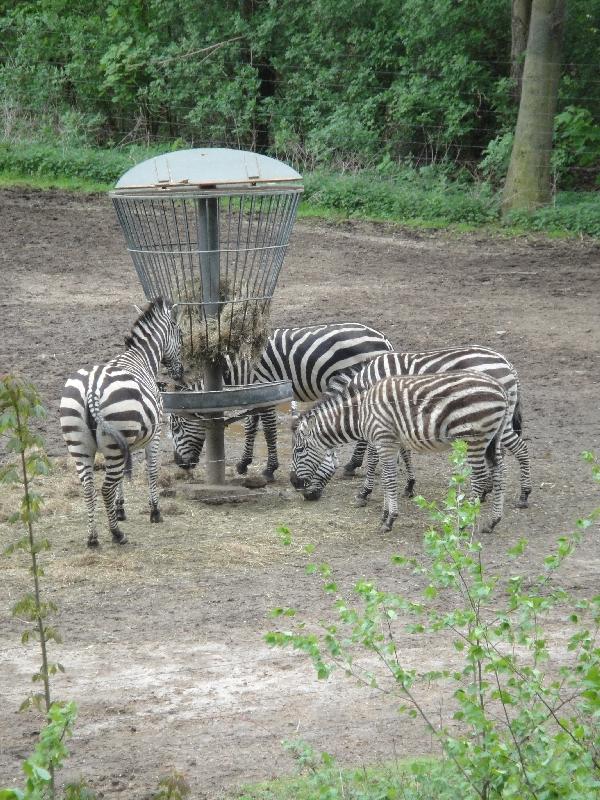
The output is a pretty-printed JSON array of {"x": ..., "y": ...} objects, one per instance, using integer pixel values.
[{"x": 346, "y": 84}]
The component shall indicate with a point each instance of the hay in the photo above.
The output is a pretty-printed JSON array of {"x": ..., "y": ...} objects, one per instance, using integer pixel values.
[{"x": 240, "y": 331}]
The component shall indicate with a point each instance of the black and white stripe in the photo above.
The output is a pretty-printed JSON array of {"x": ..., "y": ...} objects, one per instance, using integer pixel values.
[
  {"x": 310, "y": 357},
  {"x": 473, "y": 357},
  {"x": 116, "y": 408},
  {"x": 421, "y": 413}
]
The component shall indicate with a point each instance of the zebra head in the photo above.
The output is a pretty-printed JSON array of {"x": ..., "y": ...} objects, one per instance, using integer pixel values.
[
  {"x": 313, "y": 464},
  {"x": 188, "y": 434},
  {"x": 157, "y": 334}
]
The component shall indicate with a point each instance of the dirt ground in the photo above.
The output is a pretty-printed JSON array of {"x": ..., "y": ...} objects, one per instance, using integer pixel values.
[{"x": 163, "y": 638}]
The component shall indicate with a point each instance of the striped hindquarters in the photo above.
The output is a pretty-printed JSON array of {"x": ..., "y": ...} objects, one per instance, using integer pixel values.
[
  {"x": 475, "y": 358},
  {"x": 312, "y": 355},
  {"x": 429, "y": 412},
  {"x": 105, "y": 400}
]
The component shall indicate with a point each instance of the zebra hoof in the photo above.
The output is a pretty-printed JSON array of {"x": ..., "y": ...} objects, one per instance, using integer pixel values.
[
  {"x": 155, "y": 515},
  {"x": 268, "y": 475},
  {"x": 93, "y": 542},
  {"x": 121, "y": 514},
  {"x": 361, "y": 500},
  {"x": 241, "y": 467},
  {"x": 409, "y": 489},
  {"x": 119, "y": 537},
  {"x": 386, "y": 527},
  {"x": 523, "y": 500},
  {"x": 489, "y": 527},
  {"x": 349, "y": 472}
]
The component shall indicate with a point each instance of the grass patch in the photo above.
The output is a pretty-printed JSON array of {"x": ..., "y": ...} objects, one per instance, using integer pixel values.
[
  {"x": 424, "y": 199},
  {"x": 417, "y": 779},
  {"x": 12, "y": 179}
]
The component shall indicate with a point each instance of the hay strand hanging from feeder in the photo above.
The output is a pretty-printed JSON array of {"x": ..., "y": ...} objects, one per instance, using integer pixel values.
[{"x": 240, "y": 330}]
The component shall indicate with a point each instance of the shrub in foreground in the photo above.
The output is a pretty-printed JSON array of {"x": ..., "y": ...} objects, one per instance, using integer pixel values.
[{"x": 529, "y": 724}]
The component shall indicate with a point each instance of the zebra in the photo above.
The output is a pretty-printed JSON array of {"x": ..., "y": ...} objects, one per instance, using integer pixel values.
[
  {"x": 310, "y": 357},
  {"x": 473, "y": 357},
  {"x": 410, "y": 412},
  {"x": 116, "y": 408}
]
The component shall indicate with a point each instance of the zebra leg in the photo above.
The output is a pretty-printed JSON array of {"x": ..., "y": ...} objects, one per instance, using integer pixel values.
[
  {"x": 269, "y": 423},
  {"x": 110, "y": 488},
  {"x": 369, "y": 481},
  {"x": 152, "y": 464},
  {"x": 479, "y": 472},
  {"x": 85, "y": 473},
  {"x": 120, "y": 503},
  {"x": 409, "y": 489},
  {"x": 250, "y": 429},
  {"x": 356, "y": 460},
  {"x": 389, "y": 479},
  {"x": 499, "y": 480},
  {"x": 516, "y": 445}
]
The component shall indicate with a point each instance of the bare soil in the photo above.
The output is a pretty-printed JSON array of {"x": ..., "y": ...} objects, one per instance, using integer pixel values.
[{"x": 163, "y": 638}]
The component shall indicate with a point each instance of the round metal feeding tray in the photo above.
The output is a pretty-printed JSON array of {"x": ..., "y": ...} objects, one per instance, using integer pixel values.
[
  {"x": 208, "y": 230},
  {"x": 252, "y": 396}
]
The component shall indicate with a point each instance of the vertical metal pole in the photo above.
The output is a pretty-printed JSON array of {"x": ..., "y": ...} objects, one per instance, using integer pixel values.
[{"x": 208, "y": 240}]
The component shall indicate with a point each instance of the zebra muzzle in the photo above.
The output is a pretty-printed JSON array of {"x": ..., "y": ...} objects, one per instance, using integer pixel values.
[
  {"x": 312, "y": 494},
  {"x": 191, "y": 464},
  {"x": 297, "y": 483}
]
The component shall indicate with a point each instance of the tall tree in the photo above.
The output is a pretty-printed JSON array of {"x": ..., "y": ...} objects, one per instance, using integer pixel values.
[
  {"x": 521, "y": 14},
  {"x": 528, "y": 183}
]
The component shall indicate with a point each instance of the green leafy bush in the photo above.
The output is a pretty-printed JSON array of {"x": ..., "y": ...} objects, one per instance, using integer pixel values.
[
  {"x": 407, "y": 196},
  {"x": 529, "y": 718},
  {"x": 576, "y": 212},
  {"x": 26, "y": 461}
]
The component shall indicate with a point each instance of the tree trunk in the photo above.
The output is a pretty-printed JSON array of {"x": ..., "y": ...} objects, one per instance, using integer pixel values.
[
  {"x": 528, "y": 180},
  {"x": 521, "y": 14}
]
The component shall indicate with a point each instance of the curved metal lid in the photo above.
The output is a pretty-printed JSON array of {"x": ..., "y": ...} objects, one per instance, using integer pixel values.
[{"x": 212, "y": 166}]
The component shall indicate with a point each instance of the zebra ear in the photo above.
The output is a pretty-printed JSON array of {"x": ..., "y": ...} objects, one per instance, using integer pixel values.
[
  {"x": 176, "y": 313},
  {"x": 340, "y": 382}
]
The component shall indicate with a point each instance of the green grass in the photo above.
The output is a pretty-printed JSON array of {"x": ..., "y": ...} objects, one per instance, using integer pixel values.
[
  {"x": 421, "y": 199},
  {"x": 416, "y": 779},
  {"x": 11, "y": 179}
]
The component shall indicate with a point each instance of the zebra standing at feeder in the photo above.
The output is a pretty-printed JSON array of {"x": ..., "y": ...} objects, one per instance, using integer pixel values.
[
  {"x": 478, "y": 359},
  {"x": 421, "y": 413},
  {"x": 117, "y": 408},
  {"x": 310, "y": 357}
]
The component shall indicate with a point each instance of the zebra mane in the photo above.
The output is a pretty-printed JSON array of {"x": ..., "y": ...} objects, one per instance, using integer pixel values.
[
  {"x": 335, "y": 393},
  {"x": 153, "y": 307},
  {"x": 343, "y": 379}
]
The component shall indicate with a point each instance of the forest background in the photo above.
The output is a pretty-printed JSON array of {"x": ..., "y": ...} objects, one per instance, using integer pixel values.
[{"x": 393, "y": 110}]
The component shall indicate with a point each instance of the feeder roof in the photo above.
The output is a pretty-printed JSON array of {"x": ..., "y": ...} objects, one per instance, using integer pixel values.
[{"x": 206, "y": 167}]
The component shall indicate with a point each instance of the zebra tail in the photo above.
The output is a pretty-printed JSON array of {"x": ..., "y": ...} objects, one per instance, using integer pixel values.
[
  {"x": 494, "y": 448},
  {"x": 517, "y": 420},
  {"x": 109, "y": 430}
]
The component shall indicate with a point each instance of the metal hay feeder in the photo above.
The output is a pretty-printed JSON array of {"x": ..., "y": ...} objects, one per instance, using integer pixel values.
[{"x": 208, "y": 230}]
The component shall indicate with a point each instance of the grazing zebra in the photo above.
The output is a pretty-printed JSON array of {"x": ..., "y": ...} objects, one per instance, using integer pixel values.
[
  {"x": 117, "y": 408},
  {"x": 411, "y": 412},
  {"x": 309, "y": 357},
  {"x": 478, "y": 359}
]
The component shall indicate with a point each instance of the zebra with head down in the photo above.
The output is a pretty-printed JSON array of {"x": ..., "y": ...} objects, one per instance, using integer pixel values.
[
  {"x": 472, "y": 357},
  {"x": 411, "y": 412},
  {"x": 310, "y": 357}
]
